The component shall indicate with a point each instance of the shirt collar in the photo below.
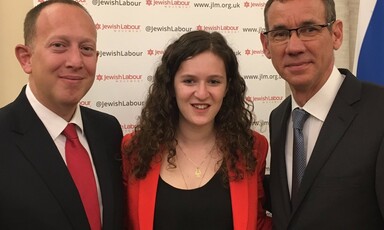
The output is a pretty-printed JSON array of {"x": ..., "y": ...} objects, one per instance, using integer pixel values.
[
  {"x": 319, "y": 105},
  {"x": 52, "y": 122}
]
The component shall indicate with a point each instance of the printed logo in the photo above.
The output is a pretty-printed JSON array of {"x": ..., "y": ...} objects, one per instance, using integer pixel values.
[
  {"x": 119, "y": 103},
  {"x": 258, "y": 30},
  {"x": 153, "y": 29},
  {"x": 115, "y": 3},
  {"x": 254, "y": 4},
  {"x": 118, "y": 27},
  {"x": 168, "y": 3},
  {"x": 252, "y": 52},
  {"x": 120, "y": 53},
  {"x": 261, "y": 76},
  {"x": 260, "y": 125},
  {"x": 152, "y": 52},
  {"x": 127, "y": 128},
  {"x": 217, "y": 5},
  {"x": 85, "y": 103},
  {"x": 119, "y": 77},
  {"x": 219, "y": 28},
  {"x": 265, "y": 99}
]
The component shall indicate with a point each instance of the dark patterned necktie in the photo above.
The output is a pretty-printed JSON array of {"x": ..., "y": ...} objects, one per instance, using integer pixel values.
[{"x": 299, "y": 117}]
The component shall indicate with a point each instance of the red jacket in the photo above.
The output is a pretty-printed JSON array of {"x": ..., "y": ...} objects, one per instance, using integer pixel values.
[{"x": 247, "y": 195}]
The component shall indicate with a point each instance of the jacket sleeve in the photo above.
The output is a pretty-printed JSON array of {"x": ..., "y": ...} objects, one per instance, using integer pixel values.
[
  {"x": 264, "y": 222},
  {"x": 130, "y": 188}
]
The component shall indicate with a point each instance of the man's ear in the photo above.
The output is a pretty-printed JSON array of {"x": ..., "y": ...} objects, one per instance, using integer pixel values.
[
  {"x": 23, "y": 54},
  {"x": 337, "y": 33},
  {"x": 264, "y": 42}
]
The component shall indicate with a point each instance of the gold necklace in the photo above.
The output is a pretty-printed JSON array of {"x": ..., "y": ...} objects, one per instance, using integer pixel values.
[
  {"x": 201, "y": 180},
  {"x": 198, "y": 166}
]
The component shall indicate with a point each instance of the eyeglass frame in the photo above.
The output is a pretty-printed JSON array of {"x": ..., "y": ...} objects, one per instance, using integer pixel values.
[{"x": 297, "y": 31}]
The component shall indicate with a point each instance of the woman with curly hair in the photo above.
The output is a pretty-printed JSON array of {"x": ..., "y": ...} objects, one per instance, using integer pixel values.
[{"x": 193, "y": 161}]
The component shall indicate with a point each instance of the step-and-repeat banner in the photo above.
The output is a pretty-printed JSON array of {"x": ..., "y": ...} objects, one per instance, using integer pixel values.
[{"x": 133, "y": 34}]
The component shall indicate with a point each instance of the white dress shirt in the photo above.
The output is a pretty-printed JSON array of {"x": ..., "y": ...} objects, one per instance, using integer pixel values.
[
  {"x": 318, "y": 107},
  {"x": 55, "y": 126}
]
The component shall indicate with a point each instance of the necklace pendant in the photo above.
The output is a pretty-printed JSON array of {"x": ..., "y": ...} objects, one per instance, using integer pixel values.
[{"x": 198, "y": 172}]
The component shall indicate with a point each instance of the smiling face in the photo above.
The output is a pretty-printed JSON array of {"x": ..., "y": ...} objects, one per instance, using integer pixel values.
[
  {"x": 61, "y": 61},
  {"x": 200, "y": 86},
  {"x": 305, "y": 65}
]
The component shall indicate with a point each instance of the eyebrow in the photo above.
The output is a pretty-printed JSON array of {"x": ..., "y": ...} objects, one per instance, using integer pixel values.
[
  {"x": 212, "y": 75},
  {"x": 68, "y": 38},
  {"x": 283, "y": 27}
]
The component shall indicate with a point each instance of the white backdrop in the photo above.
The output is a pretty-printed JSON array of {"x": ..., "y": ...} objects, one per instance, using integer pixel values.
[{"x": 132, "y": 36}]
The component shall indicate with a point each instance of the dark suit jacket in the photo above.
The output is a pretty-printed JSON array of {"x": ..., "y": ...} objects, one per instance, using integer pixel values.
[
  {"x": 247, "y": 195},
  {"x": 36, "y": 189},
  {"x": 343, "y": 184}
]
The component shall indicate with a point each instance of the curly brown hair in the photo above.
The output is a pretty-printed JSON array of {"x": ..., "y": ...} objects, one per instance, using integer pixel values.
[{"x": 157, "y": 125}]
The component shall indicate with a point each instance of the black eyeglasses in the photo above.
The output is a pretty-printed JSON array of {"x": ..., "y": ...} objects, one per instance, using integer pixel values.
[{"x": 305, "y": 33}]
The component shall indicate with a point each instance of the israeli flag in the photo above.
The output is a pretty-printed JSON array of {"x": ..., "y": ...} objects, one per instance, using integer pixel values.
[{"x": 369, "y": 52}]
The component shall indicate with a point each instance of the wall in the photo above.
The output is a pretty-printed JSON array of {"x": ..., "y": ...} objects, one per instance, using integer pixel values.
[
  {"x": 12, "y": 78},
  {"x": 12, "y": 14}
]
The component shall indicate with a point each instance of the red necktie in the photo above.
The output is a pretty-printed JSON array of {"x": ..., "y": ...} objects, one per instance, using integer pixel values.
[{"x": 80, "y": 167}]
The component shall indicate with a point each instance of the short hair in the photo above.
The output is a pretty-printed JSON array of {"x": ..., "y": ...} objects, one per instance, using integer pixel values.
[
  {"x": 330, "y": 12},
  {"x": 33, "y": 14}
]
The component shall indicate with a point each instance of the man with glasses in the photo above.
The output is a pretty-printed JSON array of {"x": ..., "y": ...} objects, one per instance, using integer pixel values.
[{"x": 327, "y": 170}]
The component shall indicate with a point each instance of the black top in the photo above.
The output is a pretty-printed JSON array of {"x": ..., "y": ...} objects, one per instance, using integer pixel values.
[{"x": 208, "y": 207}]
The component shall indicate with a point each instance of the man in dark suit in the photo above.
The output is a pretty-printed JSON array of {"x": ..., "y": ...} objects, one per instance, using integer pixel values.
[
  {"x": 37, "y": 188},
  {"x": 342, "y": 186}
]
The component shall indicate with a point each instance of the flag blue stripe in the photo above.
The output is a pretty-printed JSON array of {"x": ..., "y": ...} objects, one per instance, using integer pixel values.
[{"x": 371, "y": 59}]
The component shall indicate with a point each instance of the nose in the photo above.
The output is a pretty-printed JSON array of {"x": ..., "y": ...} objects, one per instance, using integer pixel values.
[
  {"x": 294, "y": 45},
  {"x": 201, "y": 91},
  {"x": 74, "y": 58}
]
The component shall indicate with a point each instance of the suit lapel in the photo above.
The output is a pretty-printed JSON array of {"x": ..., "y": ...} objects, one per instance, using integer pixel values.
[
  {"x": 98, "y": 150},
  {"x": 239, "y": 199},
  {"x": 335, "y": 125},
  {"x": 147, "y": 196},
  {"x": 278, "y": 162},
  {"x": 38, "y": 148}
]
